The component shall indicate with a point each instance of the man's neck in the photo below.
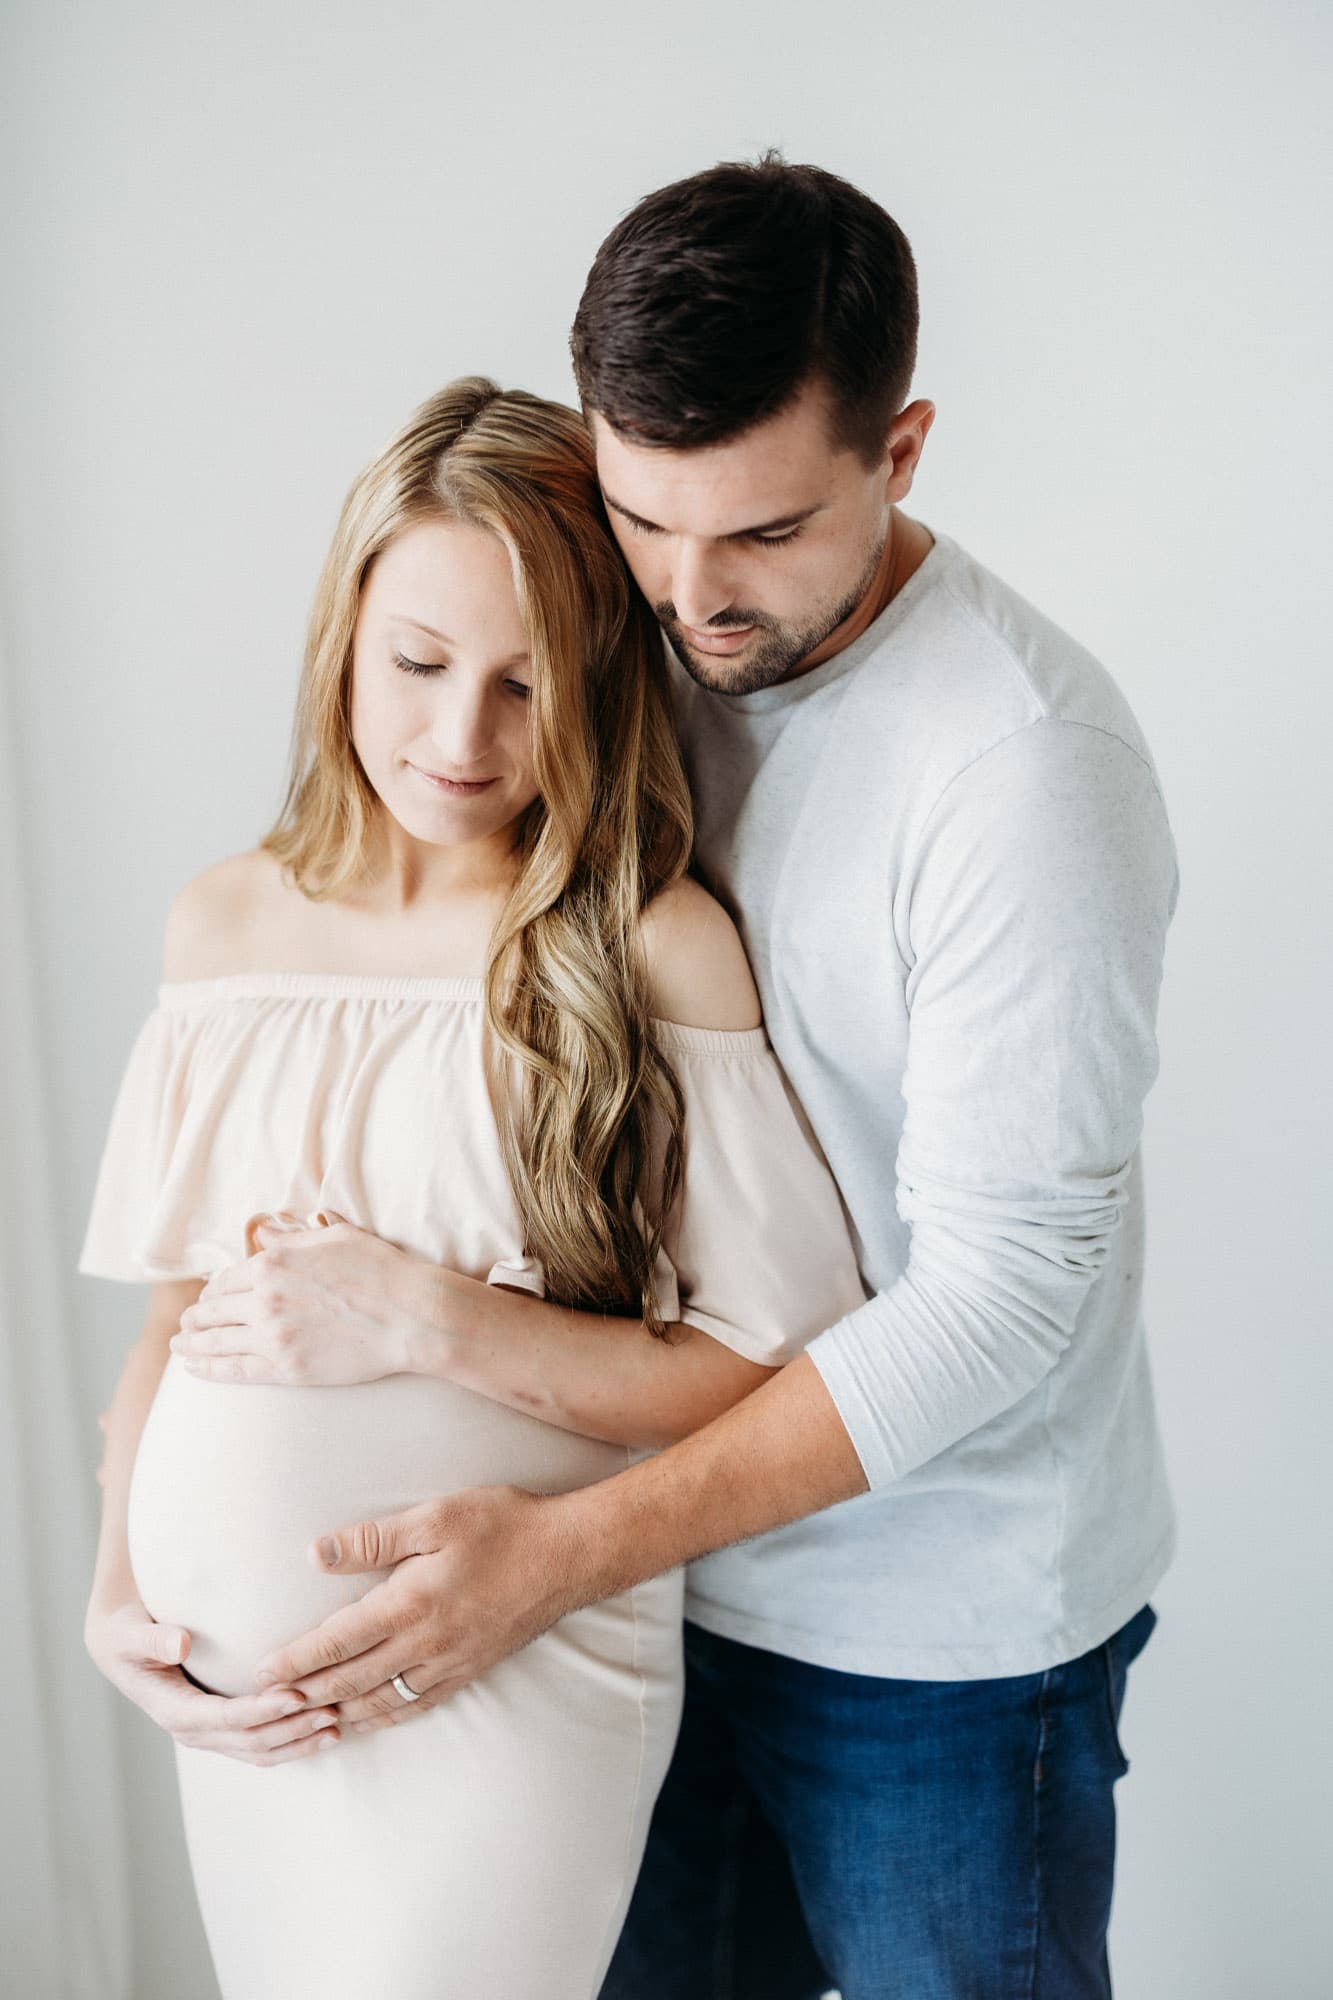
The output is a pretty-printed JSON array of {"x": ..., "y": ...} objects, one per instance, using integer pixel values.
[{"x": 906, "y": 547}]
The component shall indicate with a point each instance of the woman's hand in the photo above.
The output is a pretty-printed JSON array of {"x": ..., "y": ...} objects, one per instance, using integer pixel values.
[
  {"x": 315, "y": 1305},
  {"x": 141, "y": 1658}
]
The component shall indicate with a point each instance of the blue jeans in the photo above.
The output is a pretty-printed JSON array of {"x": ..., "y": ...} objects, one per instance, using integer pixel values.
[{"x": 897, "y": 1840}]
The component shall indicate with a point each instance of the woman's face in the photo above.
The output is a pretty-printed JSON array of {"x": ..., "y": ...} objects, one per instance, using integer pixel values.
[{"x": 440, "y": 685}]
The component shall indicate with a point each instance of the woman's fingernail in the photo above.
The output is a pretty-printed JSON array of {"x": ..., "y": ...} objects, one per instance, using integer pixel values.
[
  {"x": 329, "y": 1551},
  {"x": 266, "y": 1680}
]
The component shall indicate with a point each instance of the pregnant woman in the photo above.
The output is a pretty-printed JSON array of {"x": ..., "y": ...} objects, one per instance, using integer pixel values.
[{"x": 463, "y": 996}]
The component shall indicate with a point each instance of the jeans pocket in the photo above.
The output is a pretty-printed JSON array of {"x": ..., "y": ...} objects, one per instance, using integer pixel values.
[{"x": 1116, "y": 1654}]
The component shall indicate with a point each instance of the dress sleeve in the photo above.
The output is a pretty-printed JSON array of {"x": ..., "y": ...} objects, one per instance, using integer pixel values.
[
  {"x": 757, "y": 1252},
  {"x": 139, "y": 1225}
]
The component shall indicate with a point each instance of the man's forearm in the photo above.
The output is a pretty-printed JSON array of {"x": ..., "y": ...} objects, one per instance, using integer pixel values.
[{"x": 780, "y": 1454}]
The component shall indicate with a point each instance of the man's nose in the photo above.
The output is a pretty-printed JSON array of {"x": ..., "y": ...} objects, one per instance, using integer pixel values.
[{"x": 701, "y": 584}]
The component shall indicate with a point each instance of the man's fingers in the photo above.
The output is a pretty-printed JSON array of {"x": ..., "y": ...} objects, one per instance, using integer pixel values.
[
  {"x": 384, "y": 1705},
  {"x": 377, "y": 1544},
  {"x": 357, "y": 1628},
  {"x": 356, "y": 1677}
]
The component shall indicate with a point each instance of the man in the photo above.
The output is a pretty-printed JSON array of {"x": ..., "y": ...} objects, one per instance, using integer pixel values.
[{"x": 940, "y": 830}]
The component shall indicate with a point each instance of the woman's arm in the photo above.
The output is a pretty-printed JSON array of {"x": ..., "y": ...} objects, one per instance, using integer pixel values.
[
  {"x": 113, "y": 1580},
  {"x": 336, "y": 1304},
  {"x": 588, "y": 1372},
  {"x": 318, "y": 1306}
]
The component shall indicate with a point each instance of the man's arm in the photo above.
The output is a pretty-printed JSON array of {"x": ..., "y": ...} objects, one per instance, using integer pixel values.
[
  {"x": 781, "y": 1454},
  {"x": 1040, "y": 894}
]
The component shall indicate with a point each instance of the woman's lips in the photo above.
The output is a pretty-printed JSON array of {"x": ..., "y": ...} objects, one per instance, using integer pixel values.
[
  {"x": 454, "y": 788},
  {"x": 719, "y": 642}
]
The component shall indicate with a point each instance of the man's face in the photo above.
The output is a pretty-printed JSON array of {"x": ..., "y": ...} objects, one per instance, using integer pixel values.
[{"x": 750, "y": 552}]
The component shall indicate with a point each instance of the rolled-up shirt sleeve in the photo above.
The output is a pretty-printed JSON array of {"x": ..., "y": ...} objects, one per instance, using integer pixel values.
[{"x": 1032, "y": 921}]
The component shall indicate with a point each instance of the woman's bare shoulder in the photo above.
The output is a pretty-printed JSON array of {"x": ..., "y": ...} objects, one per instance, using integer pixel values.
[
  {"x": 218, "y": 921},
  {"x": 698, "y": 973}
]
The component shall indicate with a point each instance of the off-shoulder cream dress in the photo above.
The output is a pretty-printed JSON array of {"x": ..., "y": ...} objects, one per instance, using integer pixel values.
[{"x": 485, "y": 1850}]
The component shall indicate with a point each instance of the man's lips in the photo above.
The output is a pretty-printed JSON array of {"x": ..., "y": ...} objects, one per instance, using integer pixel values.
[{"x": 719, "y": 642}]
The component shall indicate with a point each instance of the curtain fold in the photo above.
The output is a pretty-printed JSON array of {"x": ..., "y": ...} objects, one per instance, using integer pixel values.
[{"x": 65, "y": 1930}]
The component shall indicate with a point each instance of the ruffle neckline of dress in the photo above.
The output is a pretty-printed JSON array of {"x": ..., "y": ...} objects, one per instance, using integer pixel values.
[{"x": 460, "y": 989}]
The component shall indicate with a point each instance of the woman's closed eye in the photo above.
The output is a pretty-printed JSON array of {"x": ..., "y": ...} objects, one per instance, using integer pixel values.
[{"x": 410, "y": 666}]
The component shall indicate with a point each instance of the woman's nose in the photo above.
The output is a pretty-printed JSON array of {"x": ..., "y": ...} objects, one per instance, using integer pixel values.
[{"x": 464, "y": 729}]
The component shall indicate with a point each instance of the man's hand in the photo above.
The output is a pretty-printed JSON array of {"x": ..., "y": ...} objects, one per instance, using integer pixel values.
[
  {"x": 314, "y": 1305},
  {"x": 481, "y": 1573},
  {"x": 476, "y": 1576}
]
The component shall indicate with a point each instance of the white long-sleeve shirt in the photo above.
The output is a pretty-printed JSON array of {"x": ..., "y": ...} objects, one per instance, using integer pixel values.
[{"x": 950, "y": 861}]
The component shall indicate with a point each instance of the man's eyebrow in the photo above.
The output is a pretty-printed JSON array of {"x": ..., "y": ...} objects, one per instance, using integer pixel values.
[
  {"x": 419, "y": 625},
  {"x": 773, "y": 527}
]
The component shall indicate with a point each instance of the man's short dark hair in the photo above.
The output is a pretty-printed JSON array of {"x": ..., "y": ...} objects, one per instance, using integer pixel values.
[{"x": 715, "y": 300}]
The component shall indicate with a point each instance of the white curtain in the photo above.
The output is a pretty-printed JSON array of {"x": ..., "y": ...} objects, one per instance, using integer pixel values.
[{"x": 64, "y": 1889}]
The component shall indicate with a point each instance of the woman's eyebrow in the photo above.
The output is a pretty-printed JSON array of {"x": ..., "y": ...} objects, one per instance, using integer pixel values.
[
  {"x": 401, "y": 618},
  {"x": 737, "y": 534}
]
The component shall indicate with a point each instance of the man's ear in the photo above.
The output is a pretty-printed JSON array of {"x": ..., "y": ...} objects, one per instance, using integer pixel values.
[{"x": 905, "y": 444}]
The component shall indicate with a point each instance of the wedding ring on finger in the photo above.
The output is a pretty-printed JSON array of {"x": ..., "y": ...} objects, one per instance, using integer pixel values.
[{"x": 408, "y": 1694}]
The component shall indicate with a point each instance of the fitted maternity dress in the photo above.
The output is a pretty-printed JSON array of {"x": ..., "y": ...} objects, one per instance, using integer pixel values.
[{"x": 486, "y": 1849}]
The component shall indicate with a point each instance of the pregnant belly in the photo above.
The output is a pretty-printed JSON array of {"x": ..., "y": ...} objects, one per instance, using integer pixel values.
[{"x": 231, "y": 1482}]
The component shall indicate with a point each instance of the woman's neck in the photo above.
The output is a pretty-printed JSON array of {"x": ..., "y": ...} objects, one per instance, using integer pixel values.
[{"x": 405, "y": 875}]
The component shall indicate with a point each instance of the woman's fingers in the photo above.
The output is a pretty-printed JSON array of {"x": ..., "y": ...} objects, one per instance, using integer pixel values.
[
  {"x": 293, "y": 1729},
  {"x": 298, "y": 1735},
  {"x": 144, "y": 1641},
  {"x": 246, "y": 1726},
  {"x": 142, "y": 1659},
  {"x": 225, "y": 1310},
  {"x": 311, "y": 1747},
  {"x": 230, "y": 1367}
]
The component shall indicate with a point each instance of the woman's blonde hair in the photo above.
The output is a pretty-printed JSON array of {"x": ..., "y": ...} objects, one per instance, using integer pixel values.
[{"x": 592, "y": 1134}]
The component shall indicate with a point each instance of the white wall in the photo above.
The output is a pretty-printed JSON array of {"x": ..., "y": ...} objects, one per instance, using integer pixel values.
[{"x": 246, "y": 240}]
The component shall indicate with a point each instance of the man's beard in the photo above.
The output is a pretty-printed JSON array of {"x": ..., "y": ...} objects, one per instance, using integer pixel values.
[{"x": 778, "y": 649}]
